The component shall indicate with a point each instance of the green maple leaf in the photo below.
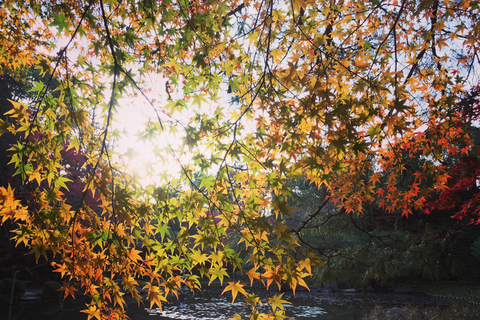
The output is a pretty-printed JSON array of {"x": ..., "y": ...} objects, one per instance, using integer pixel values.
[
  {"x": 208, "y": 182},
  {"x": 38, "y": 87},
  {"x": 163, "y": 230},
  {"x": 39, "y": 251},
  {"x": 60, "y": 182},
  {"x": 217, "y": 272},
  {"x": 199, "y": 98},
  {"x": 60, "y": 21}
]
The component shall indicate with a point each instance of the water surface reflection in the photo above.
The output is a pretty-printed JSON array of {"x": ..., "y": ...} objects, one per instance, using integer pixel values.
[{"x": 211, "y": 305}]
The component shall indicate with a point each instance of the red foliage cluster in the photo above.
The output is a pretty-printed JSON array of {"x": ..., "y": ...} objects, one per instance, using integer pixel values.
[{"x": 462, "y": 195}]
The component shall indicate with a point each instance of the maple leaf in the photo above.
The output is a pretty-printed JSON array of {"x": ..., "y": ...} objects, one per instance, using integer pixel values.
[
  {"x": 235, "y": 287},
  {"x": 60, "y": 182},
  {"x": 217, "y": 271},
  {"x": 199, "y": 257},
  {"x": 130, "y": 283},
  {"x": 253, "y": 274},
  {"x": 69, "y": 290},
  {"x": 39, "y": 250},
  {"x": 273, "y": 275},
  {"x": 199, "y": 98},
  {"x": 277, "y": 303},
  {"x": 380, "y": 192},
  {"x": 134, "y": 255},
  {"x": 265, "y": 202},
  {"x": 216, "y": 257},
  {"x": 374, "y": 178},
  {"x": 60, "y": 21},
  {"x": 305, "y": 264},
  {"x": 92, "y": 312},
  {"x": 155, "y": 295},
  {"x": 301, "y": 281},
  {"x": 62, "y": 268}
]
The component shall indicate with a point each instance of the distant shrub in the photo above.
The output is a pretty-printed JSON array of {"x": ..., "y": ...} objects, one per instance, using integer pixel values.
[
  {"x": 456, "y": 311},
  {"x": 51, "y": 288},
  {"x": 476, "y": 248}
]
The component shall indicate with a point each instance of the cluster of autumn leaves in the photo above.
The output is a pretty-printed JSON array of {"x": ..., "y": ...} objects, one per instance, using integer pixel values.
[{"x": 344, "y": 93}]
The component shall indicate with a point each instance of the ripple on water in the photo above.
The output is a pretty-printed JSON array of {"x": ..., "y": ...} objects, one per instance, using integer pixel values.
[{"x": 219, "y": 308}]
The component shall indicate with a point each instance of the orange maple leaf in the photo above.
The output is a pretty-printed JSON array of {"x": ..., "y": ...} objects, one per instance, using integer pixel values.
[{"x": 69, "y": 290}]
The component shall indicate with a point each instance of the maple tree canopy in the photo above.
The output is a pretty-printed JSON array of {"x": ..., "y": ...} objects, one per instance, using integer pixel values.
[{"x": 340, "y": 92}]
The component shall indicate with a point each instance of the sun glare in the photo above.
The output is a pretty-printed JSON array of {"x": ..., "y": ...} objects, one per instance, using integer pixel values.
[
  {"x": 146, "y": 158},
  {"x": 153, "y": 156}
]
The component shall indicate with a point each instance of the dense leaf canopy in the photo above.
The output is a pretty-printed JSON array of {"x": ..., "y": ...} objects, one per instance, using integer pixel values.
[{"x": 260, "y": 92}]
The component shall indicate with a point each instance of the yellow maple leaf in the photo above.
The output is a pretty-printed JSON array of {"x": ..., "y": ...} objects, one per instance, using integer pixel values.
[
  {"x": 305, "y": 264},
  {"x": 93, "y": 312},
  {"x": 235, "y": 287},
  {"x": 198, "y": 257},
  {"x": 155, "y": 295},
  {"x": 134, "y": 255},
  {"x": 277, "y": 303},
  {"x": 253, "y": 274}
]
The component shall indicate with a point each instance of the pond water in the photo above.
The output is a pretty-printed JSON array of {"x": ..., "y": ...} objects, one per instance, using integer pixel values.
[{"x": 211, "y": 305}]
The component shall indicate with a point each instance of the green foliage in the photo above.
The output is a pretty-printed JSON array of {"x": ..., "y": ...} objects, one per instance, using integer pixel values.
[
  {"x": 456, "y": 311},
  {"x": 51, "y": 288},
  {"x": 476, "y": 249},
  {"x": 377, "y": 248}
]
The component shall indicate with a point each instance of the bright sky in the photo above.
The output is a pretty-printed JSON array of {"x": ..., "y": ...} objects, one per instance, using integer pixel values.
[
  {"x": 130, "y": 119},
  {"x": 147, "y": 159}
]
